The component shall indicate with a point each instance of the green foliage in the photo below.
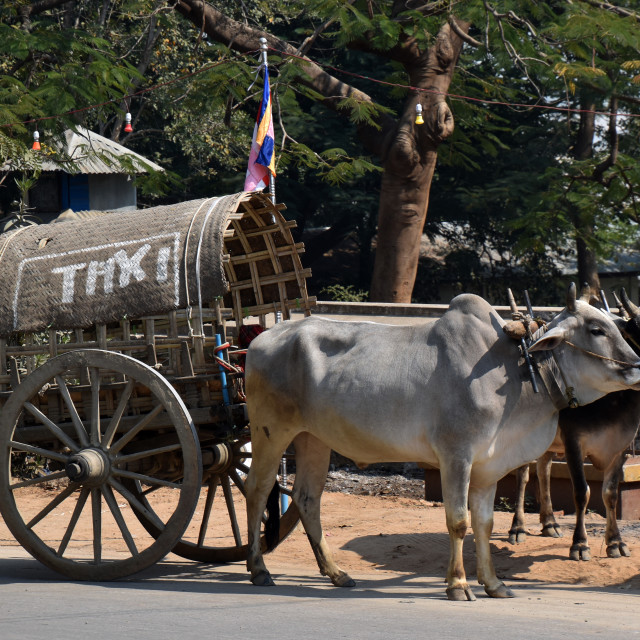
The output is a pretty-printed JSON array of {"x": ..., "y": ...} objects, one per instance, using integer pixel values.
[
  {"x": 509, "y": 198},
  {"x": 340, "y": 293}
]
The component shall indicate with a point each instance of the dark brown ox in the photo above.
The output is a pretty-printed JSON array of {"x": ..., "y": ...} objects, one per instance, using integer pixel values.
[
  {"x": 452, "y": 394},
  {"x": 601, "y": 431}
]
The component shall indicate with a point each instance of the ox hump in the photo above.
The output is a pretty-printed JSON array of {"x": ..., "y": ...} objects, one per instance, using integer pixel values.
[{"x": 472, "y": 308}]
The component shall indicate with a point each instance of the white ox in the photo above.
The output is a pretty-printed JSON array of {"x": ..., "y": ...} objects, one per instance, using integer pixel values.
[{"x": 451, "y": 394}]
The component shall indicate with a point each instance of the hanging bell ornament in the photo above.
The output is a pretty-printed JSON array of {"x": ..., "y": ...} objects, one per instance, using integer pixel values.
[
  {"x": 127, "y": 127},
  {"x": 36, "y": 141},
  {"x": 419, "y": 119}
]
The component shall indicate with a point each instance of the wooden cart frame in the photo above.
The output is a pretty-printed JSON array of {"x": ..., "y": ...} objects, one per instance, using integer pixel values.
[{"x": 120, "y": 424}]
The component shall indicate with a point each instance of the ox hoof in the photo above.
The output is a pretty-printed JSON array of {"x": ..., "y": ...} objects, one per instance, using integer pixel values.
[
  {"x": 343, "y": 580},
  {"x": 501, "y": 591},
  {"x": 263, "y": 579},
  {"x": 580, "y": 552},
  {"x": 460, "y": 593},
  {"x": 516, "y": 536},
  {"x": 551, "y": 530},
  {"x": 617, "y": 550}
]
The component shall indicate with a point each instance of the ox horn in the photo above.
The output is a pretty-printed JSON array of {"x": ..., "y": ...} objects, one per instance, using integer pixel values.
[
  {"x": 571, "y": 297},
  {"x": 628, "y": 306},
  {"x": 621, "y": 310},
  {"x": 585, "y": 292}
]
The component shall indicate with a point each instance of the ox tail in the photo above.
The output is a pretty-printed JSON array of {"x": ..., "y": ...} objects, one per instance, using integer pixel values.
[{"x": 272, "y": 526}]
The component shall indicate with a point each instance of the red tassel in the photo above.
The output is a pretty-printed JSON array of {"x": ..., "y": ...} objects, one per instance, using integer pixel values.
[
  {"x": 36, "y": 141},
  {"x": 127, "y": 127}
]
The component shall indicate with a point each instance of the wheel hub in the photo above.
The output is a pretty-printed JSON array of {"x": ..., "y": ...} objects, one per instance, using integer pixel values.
[
  {"x": 89, "y": 466},
  {"x": 217, "y": 458}
]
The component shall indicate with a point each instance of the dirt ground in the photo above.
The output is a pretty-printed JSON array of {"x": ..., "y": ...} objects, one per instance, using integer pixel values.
[
  {"x": 375, "y": 527},
  {"x": 381, "y": 523}
]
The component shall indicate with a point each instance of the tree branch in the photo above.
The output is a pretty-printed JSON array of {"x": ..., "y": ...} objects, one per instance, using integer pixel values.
[
  {"x": 26, "y": 11},
  {"x": 245, "y": 39},
  {"x": 308, "y": 42},
  {"x": 425, "y": 8},
  {"x": 607, "y": 6},
  {"x": 465, "y": 37}
]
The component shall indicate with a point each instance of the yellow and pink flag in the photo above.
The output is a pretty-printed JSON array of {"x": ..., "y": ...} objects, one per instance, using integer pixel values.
[{"x": 262, "y": 156}]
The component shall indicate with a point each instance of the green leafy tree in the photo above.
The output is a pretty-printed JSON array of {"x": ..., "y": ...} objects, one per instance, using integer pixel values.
[
  {"x": 577, "y": 193},
  {"x": 573, "y": 55},
  {"x": 517, "y": 186}
]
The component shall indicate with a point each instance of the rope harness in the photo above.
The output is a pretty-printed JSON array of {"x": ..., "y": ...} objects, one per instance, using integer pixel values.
[
  {"x": 550, "y": 370},
  {"x": 601, "y": 357}
]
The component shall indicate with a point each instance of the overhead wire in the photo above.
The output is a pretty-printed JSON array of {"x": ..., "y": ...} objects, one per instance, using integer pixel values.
[{"x": 208, "y": 67}]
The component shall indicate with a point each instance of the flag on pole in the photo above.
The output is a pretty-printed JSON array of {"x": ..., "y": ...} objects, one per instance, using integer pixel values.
[{"x": 262, "y": 156}]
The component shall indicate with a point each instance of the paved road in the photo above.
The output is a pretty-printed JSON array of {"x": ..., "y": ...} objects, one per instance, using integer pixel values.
[{"x": 184, "y": 600}]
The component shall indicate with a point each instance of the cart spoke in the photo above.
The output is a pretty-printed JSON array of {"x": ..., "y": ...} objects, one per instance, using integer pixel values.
[
  {"x": 73, "y": 412},
  {"x": 231, "y": 509},
  {"x": 117, "y": 514},
  {"x": 39, "y": 480},
  {"x": 120, "y": 421},
  {"x": 114, "y": 423},
  {"x": 96, "y": 507},
  {"x": 45, "y": 453},
  {"x": 214, "y": 481},
  {"x": 238, "y": 481},
  {"x": 136, "y": 504},
  {"x": 243, "y": 467},
  {"x": 133, "y": 432},
  {"x": 75, "y": 516},
  {"x": 54, "y": 428},
  {"x": 149, "y": 490},
  {"x": 59, "y": 499},
  {"x": 94, "y": 375},
  {"x": 150, "y": 480},
  {"x": 149, "y": 452}
]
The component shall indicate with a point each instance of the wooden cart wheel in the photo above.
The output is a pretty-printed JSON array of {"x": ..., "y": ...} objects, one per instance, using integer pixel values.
[
  {"x": 72, "y": 434},
  {"x": 218, "y": 531}
]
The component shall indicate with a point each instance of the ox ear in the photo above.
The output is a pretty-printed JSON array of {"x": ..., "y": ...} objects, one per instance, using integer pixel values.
[{"x": 550, "y": 340}]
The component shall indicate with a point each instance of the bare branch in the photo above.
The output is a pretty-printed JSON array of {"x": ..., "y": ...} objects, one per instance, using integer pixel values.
[
  {"x": 246, "y": 40},
  {"x": 607, "y": 6},
  {"x": 308, "y": 42},
  {"x": 26, "y": 11},
  {"x": 425, "y": 8},
  {"x": 461, "y": 34},
  {"x": 509, "y": 48}
]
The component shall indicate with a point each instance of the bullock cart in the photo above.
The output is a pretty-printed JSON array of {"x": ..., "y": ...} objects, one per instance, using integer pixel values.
[{"x": 121, "y": 387}]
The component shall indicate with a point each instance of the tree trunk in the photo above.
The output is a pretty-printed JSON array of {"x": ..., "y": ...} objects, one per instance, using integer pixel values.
[
  {"x": 408, "y": 152},
  {"x": 408, "y": 170},
  {"x": 587, "y": 263}
]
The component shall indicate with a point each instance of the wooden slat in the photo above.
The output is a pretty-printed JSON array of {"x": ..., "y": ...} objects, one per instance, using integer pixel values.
[
  {"x": 101, "y": 336},
  {"x": 150, "y": 341},
  {"x": 14, "y": 374},
  {"x": 4, "y": 377},
  {"x": 53, "y": 339}
]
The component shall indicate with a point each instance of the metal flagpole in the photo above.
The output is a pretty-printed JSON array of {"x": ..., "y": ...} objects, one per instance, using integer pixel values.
[
  {"x": 272, "y": 181},
  {"x": 284, "y": 498}
]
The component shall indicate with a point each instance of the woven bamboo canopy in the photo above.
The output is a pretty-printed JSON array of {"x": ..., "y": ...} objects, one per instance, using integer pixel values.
[{"x": 133, "y": 264}]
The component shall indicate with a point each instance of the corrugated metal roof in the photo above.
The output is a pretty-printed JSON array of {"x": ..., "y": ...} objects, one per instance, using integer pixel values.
[{"x": 92, "y": 153}]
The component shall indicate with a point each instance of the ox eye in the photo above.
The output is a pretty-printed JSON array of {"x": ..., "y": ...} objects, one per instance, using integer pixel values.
[{"x": 597, "y": 331}]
